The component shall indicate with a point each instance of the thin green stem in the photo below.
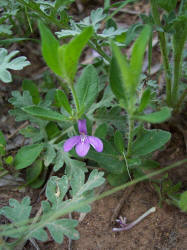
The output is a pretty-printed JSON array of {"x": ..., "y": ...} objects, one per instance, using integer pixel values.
[
  {"x": 181, "y": 7},
  {"x": 97, "y": 48},
  {"x": 33, "y": 6},
  {"x": 118, "y": 9},
  {"x": 180, "y": 101},
  {"x": 177, "y": 67},
  {"x": 75, "y": 98},
  {"x": 179, "y": 39},
  {"x": 130, "y": 136},
  {"x": 126, "y": 162},
  {"x": 163, "y": 46}
]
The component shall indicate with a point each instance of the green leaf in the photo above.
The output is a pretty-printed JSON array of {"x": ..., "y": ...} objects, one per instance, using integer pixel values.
[
  {"x": 5, "y": 29},
  {"x": 81, "y": 189},
  {"x": 56, "y": 190},
  {"x": 49, "y": 155},
  {"x": 39, "y": 181},
  {"x": 44, "y": 113},
  {"x": 33, "y": 172},
  {"x": 9, "y": 160},
  {"x": 109, "y": 159},
  {"x": 19, "y": 100},
  {"x": 50, "y": 47},
  {"x": 116, "y": 82},
  {"x": 97, "y": 16},
  {"x": 31, "y": 132},
  {"x": 39, "y": 234},
  {"x": 149, "y": 164},
  {"x": 63, "y": 226},
  {"x": 73, "y": 166},
  {"x": 17, "y": 212},
  {"x": 59, "y": 161},
  {"x": 87, "y": 87},
  {"x": 183, "y": 202},
  {"x": 63, "y": 3},
  {"x": 95, "y": 179},
  {"x": 122, "y": 70},
  {"x": 167, "y": 5},
  {"x": 119, "y": 141},
  {"x": 2, "y": 143},
  {"x": 69, "y": 54},
  {"x": 149, "y": 141},
  {"x": 101, "y": 131},
  {"x": 137, "y": 55},
  {"x": 128, "y": 74},
  {"x": 16, "y": 64},
  {"x": 27, "y": 155},
  {"x": 117, "y": 179},
  {"x": 52, "y": 130},
  {"x": 33, "y": 90},
  {"x": 145, "y": 100},
  {"x": 112, "y": 116},
  {"x": 156, "y": 117},
  {"x": 62, "y": 101},
  {"x": 67, "y": 33}
]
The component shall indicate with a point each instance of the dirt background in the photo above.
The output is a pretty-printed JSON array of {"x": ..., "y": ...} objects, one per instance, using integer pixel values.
[{"x": 166, "y": 229}]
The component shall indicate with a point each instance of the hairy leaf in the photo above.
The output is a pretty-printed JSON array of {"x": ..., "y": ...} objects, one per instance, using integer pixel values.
[
  {"x": 87, "y": 87},
  {"x": 149, "y": 141},
  {"x": 6, "y": 63},
  {"x": 27, "y": 155}
]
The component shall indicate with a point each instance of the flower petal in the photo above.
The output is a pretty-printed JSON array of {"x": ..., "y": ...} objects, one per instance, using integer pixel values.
[
  {"x": 82, "y": 127},
  {"x": 82, "y": 148},
  {"x": 71, "y": 142},
  {"x": 96, "y": 143}
]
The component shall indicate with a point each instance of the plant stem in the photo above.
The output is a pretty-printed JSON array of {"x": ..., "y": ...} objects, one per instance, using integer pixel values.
[
  {"x": 97, "y": 48},
  {"x": 163, "y": 46},
  {"x": 33, "y": 6},
  {"x": 180, "y": 101},
  {"x": 130, "y": 136},
  {"x": 75, "y": 98},
  {"x": 118, "y": 9},
  {"x": 126, "y": 162},
  {"x": 179, "y": 39},
  {"x": 176, "y": 73}
]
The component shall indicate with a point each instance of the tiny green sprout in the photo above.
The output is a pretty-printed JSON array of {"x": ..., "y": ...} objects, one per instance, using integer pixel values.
[{"x": 9, "y": 160}]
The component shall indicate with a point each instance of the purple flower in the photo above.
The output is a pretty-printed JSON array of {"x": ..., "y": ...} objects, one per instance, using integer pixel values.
[{"x": 82, "y": 142}]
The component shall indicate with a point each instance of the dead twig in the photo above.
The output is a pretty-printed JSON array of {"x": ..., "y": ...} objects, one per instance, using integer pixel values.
[
  {"x": 18, "y": 129},
  {"x": 126, "y": 194}
]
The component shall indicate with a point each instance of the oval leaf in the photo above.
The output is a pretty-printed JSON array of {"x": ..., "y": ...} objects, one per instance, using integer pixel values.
[
  {"x": 156, "y": 117},
  {"x": 70, "y": 53},
  {"x": 44, "y": 113},
  {"x": 149, "y": 141},
  {"x": 145, "y": 100},
  {"x": 50, "y": 47},
  {"x": 62, "y": 101},
  {"x": 34, "y": 171},
  {"x": 87, "y": 87},
  {"x": 33, "y": 90},
  {"x": 27, "y": 155}
]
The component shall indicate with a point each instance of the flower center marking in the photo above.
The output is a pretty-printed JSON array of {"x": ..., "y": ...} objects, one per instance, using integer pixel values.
[{"x": 83, "y": 138}]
